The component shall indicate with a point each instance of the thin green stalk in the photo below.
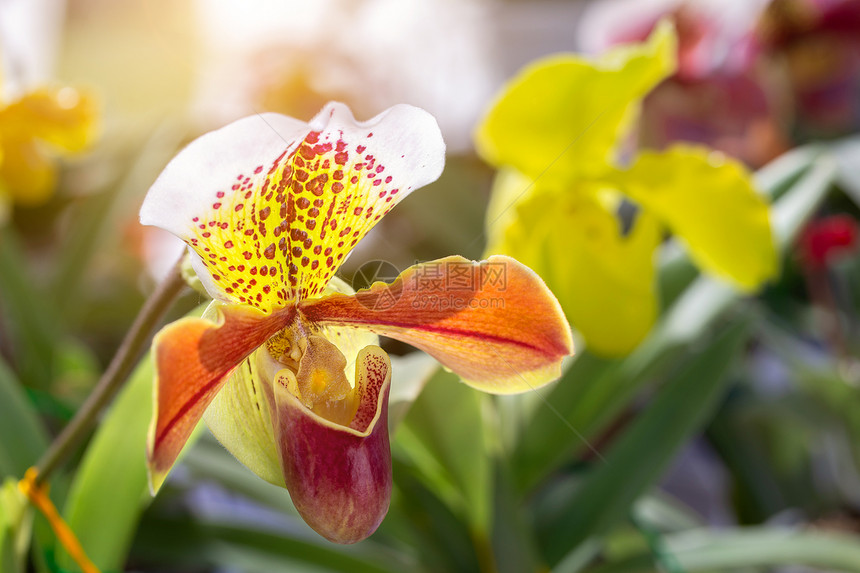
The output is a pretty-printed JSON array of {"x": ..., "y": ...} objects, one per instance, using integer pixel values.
[
  {"x": 484, "y": 552},
  {"x": 158, "y": 303}
]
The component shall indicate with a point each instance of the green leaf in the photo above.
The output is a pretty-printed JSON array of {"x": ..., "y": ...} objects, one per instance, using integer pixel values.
[
  {"x": 441, "y": 539},
  {"x": 708, "y": 550},
  {"x": 757, "y": 492},
  {"x": 109, "y": 491},
  {"x": 847, "y": 154},
  {"x": 16, "y": 523},
  {"x": 181, "y": 543},
  {"x": 563, "y": 421},
  {"x": 514, "y": 545},
  {"x": 25, "y": 438},
  {"x": 780, "y": 175},
  {"x": 662, "y": 512},
  {"x": 444, "y": 436},
  {"x": 637, "y": 459},
  {"x": 796, "y": 206},
  {"x": 29, "y": 315}
]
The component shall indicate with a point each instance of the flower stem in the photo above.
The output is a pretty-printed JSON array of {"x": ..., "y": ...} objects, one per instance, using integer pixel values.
[
  {"x": 484, "y": 552},
  {"x": 158, "y": 303}
]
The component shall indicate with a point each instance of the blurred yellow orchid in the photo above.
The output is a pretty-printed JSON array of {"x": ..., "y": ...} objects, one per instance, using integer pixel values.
[
  {"x": 556, "y": 132},
  {"x": 288, "y": 373},
  {"x": 47, "y": 120}
]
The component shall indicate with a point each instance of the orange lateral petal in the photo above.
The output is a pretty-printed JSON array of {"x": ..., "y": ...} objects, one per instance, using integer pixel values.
[
  {"x": 193, "y": 357},
  {"x": 493, "y": 322}
]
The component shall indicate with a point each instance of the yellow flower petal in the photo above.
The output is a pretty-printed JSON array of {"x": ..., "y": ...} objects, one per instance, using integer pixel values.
[
  {"x": 709, "y": 201},
  {"x": 510, "y": 187},
  {"x": 604, "y": 280},
  {"x": 64, "y": 117},
  {"x": 27, "y": 174},
  {"x": 563, "y": 115}
]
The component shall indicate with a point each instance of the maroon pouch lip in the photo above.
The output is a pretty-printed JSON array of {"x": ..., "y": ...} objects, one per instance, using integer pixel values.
[{"x": 339, "y": 477}]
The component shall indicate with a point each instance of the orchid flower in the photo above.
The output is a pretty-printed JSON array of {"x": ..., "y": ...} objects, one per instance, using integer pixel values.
[
  {"x": 285, "y": 366},
  {"x": 556, "y": 132},
  {"x": 60, "y": 118}
]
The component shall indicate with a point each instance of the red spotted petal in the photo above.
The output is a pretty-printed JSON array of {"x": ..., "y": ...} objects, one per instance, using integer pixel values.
[
  {"x": 272, "y": 206},
  {"x": 493, "y": 322}
]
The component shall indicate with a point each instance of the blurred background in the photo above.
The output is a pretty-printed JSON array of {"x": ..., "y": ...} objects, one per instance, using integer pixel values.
[{"x": 764, "y": 476}]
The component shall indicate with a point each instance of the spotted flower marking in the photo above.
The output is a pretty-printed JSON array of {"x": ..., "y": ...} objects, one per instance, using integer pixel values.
[{"x": 280, "y": 232}]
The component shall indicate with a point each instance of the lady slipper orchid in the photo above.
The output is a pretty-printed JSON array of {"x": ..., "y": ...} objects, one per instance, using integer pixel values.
[
  {"x": 289, "y": 374},
  {"x": 589, "y": 215}
]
